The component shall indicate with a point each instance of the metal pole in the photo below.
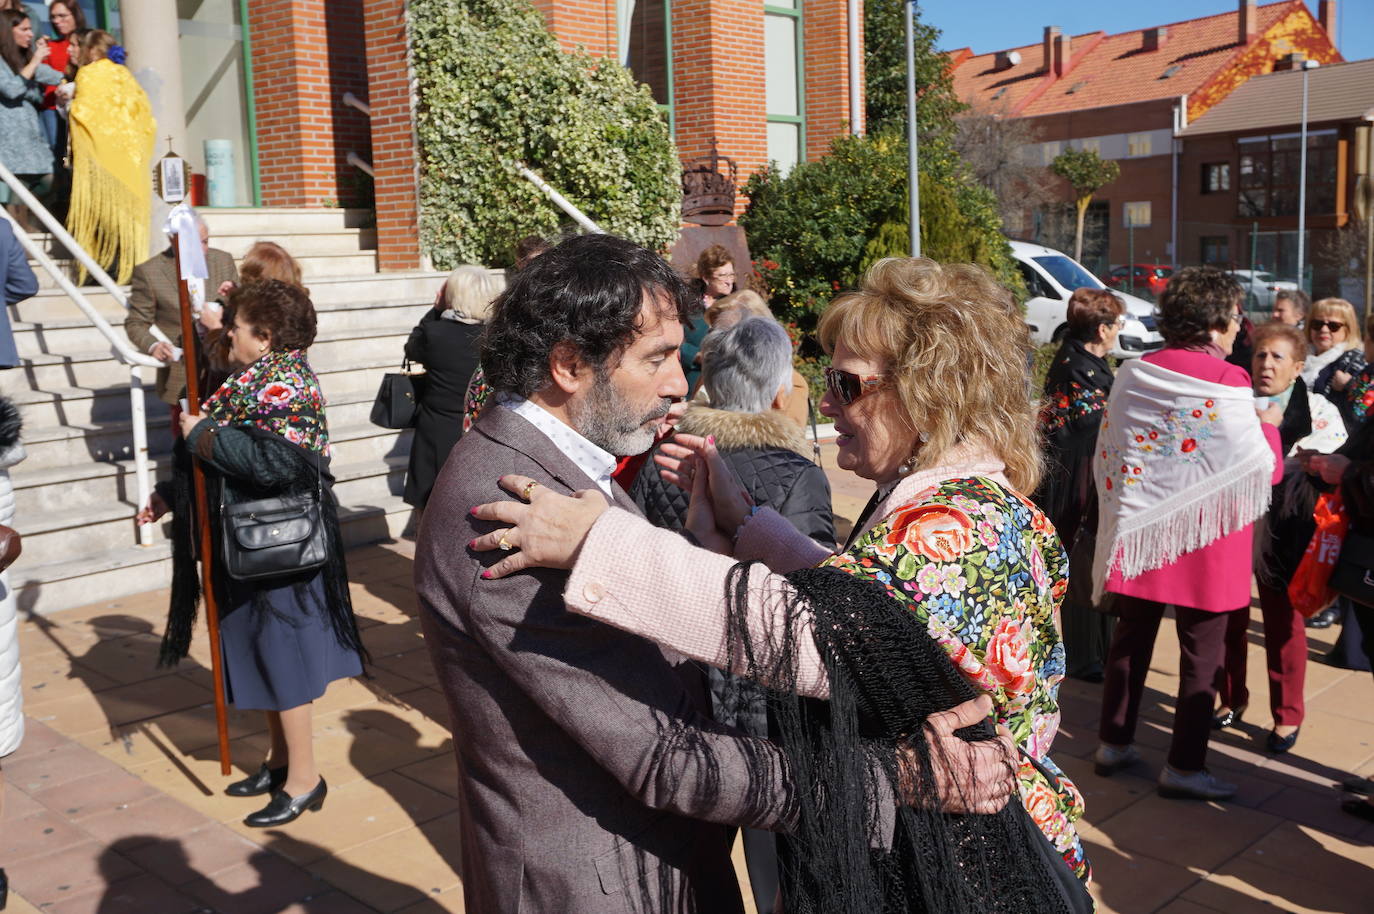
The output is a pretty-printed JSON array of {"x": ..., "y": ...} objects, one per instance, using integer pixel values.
[
  {"x": 1302, "y": 181},
  {"x": 911, "y": 171},
  {"x": 1130, "y": 264},
  {"x": 856, "y": 111}
]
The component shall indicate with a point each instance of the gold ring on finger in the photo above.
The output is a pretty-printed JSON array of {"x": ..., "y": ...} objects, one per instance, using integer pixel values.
[
  {"x": 529, "y": 487},
  {"x": 504, "y": 544}
]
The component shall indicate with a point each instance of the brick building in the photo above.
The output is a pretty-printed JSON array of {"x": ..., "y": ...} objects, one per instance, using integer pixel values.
[
  {"x": 1239, "y": 170},
  {"x": 1124, "y": 96},
  {"x": 307, "y": 94}
]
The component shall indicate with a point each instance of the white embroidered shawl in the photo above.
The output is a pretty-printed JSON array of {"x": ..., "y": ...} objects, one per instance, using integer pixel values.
[{"x": 1180, "y": 463}]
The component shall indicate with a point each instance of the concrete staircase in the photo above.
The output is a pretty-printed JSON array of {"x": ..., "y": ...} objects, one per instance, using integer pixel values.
[{"x": 75, "y": 493}]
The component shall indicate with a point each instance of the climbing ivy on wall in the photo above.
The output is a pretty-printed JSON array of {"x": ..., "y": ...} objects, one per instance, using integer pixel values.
[{"x": 494, "y": 88}]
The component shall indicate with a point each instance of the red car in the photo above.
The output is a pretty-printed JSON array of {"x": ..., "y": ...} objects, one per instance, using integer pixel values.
[{"x": 1147, "y": 278}]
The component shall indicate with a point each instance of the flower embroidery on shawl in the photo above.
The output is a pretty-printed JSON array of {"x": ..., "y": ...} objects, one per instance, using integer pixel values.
[
  {"x": 1178, "y": 432},
  {"x": 278, "y": 393},
  {"x": 1071, "y": 404},
  {"x": 984, "y": 570},
  {"x": 1361, "y": 394}
]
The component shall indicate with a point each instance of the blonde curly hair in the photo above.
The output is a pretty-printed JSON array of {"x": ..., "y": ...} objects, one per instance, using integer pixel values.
[{"x": 957, "y": 353}]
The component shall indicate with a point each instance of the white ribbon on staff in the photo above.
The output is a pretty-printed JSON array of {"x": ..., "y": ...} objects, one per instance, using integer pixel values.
[{"x": 181, "y": 224}]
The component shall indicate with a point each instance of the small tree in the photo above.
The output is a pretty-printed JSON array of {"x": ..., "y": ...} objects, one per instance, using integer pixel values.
[{"x": 1087, "y": 173}]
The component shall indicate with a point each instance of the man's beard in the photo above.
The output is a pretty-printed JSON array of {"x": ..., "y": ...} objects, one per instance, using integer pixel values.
[{"x": 612, "y": 423}]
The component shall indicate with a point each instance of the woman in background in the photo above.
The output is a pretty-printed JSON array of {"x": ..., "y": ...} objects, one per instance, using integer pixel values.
[
  {"x": 23, "y": 146},
  {"x": 67, "y": 20},
  {"x": 715, "y": 279},
  {"x": 445, "y": 342},
  {"x": 112, "y": 131},
  {"x": 1076, "y": 391}
]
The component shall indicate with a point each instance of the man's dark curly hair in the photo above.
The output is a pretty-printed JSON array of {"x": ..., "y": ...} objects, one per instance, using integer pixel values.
[
  {"x": 587, "y": 291},
  {"x": 1197, "y": 301},
  {"x": 280, "y": 308}
]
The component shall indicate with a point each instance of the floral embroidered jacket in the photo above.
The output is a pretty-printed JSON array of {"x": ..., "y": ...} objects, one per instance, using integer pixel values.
[
  {"x": 1075, "y": 400},
  {"x": 1360, "y": 396},
  {"x": 983, "y": 568}
]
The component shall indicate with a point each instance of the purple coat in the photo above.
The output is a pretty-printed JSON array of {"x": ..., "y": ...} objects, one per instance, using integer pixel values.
[{"x": 1215, "y": 578}]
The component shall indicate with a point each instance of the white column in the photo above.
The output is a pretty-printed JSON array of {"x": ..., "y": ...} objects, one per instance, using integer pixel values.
[{"x": 149, "y": 32}]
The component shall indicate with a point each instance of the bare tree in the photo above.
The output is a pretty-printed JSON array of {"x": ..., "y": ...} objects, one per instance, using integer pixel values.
[{"x": 996, "y": 148}]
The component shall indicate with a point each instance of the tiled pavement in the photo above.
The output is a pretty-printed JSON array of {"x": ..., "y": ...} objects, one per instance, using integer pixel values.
[{"x": 114, "y": 802}]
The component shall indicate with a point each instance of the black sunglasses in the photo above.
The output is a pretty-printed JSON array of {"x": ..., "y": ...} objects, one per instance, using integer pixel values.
[
  {"x": 847, "y": 387},
  {"x": 1333, "y": 326}
]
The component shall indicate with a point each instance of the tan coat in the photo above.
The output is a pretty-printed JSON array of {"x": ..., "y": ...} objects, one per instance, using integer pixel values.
[{"x": 153, "y": 300}]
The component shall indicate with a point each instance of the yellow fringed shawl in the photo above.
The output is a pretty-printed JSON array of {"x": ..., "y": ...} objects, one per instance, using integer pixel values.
[{"x": 112, "y": 131}]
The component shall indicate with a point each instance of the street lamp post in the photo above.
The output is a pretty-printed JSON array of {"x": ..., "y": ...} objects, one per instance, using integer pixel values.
[
  {"x": 1302, "y": 176},
  {"x": 915, "y": 190}
]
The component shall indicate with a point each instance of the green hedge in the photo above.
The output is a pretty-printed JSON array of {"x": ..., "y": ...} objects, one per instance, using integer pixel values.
[{"x": 494, "y": 88}]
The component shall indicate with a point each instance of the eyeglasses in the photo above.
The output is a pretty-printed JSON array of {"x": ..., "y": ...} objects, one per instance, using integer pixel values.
[
  {"x": 1333, "y": 326},
  {"x": 847, "y": 387}
]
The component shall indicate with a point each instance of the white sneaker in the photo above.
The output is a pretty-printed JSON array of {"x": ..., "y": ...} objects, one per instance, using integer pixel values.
[
  {"x": 1200, "y": 785},
  {"x": 1111, "y": 759}
]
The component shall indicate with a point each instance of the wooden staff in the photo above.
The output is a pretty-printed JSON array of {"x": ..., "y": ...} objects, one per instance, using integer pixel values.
[{"x": 188, "y": 347}]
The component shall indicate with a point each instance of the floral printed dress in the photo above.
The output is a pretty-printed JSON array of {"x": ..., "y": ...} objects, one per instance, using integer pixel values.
[
  {"x": 983, "y": 568},
  {"x": 1360, "y": 396}
]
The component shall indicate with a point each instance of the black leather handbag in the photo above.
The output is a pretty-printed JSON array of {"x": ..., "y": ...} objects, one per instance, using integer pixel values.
[
  {"x": 398, "y": 398},
  {"x": 274, "y": 537},
  {"x": 1353, "y": 575}
]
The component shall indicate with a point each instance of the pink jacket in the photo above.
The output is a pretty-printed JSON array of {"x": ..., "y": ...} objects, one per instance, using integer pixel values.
[{"x": 1215, "y": 578}]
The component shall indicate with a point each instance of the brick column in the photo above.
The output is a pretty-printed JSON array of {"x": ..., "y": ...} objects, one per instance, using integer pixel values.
[
  {"x": 825, "y": 33},
  {"x": 395, "y": 162},
  {"x": 306, "y": 55},
  {"x": 590, "y": 23},
  {"x": 718, "y": 81}
]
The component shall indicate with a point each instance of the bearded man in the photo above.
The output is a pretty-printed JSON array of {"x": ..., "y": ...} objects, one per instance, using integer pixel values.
[{"x": 591, "y": 777}]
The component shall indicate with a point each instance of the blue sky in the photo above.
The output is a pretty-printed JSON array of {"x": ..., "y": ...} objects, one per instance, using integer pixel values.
[{"x": 990, "y": 25}]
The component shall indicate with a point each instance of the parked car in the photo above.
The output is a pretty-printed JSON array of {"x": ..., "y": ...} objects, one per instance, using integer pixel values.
[
  {"x": 1140, "y": 278},
  {"x": 1051, "y": 276},
  {"x": 1260, "y": 288}
]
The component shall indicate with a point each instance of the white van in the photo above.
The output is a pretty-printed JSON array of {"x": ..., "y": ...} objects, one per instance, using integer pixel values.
[{"x": 1051, "y": 276}]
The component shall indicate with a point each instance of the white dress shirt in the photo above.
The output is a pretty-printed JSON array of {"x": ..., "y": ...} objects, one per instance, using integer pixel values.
[{"x": 597, "y": 463}]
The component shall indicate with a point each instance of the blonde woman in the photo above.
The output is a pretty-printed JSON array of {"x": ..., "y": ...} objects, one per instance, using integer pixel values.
[
  {"x": 445, "y": 342},
  {"x": 1333, "y": 332},
  {"x": 950, "y": 557}
]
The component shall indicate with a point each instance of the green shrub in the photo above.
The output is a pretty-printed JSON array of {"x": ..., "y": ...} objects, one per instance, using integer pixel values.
[{"x": 493, "y": 88}]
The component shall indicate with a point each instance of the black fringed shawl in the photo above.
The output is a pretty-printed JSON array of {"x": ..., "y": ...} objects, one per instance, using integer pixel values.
[
  {"x": 886, "y": 677},
  {"x": 1076, "y": 391},
  {"x": 277, "y": 403}
]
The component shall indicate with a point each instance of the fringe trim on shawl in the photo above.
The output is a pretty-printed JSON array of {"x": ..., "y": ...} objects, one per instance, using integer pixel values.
[
  {"x": 1195, "y": 518},
  {"x": 106, "y": 218}
]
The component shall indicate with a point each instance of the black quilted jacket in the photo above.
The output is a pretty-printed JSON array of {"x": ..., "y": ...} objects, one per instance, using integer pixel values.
[{"x": 766, "y": 451}]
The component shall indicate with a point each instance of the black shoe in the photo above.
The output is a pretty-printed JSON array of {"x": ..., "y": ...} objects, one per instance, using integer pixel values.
[
  {"x": 1357, "y": 784},
  {"x": 1360, "y": 809},
  {"x": 4, "y": 890},
  {"x": 1281, "y": 744},
  {"x": 284, "y": 809},
  {"x": 1229, "y": 719},
  {"x": 255, "y": 785},
  {"x": 1324, "y": 619}
]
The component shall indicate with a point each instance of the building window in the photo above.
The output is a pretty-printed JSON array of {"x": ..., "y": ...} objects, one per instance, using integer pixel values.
[
  {"x": 784, "y": 94},
  {"x": 1138, "y": 144},
  {"x": 1216, "y": 250},
  {"x": 1269, "y": 182},
  {"x": 1216, "y": 177},
  {"x": 1093, "y": 145},
  {"x": 1136, "y": 215},
  {"x": 1050, "y": 152},
  {"x": 646, "y": 45}
]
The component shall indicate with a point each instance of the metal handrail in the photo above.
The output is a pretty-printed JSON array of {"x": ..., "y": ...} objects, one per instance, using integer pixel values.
[
  {"x": 559, "y": 200},
  {"x": 118, "y": 342}
]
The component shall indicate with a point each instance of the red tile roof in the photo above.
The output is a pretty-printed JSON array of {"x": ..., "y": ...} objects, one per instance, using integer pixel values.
[{"x": 1112, "y": 69}]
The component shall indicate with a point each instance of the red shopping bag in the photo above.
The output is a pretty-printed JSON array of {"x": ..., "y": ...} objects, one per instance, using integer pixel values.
[{"x": 1310, "y": 590}]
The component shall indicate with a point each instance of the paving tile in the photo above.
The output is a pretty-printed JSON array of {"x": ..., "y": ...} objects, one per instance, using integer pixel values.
[
  {"x": 419, "y": 716},
  {"x": 1187, "y": 833},
  {"x": 64, "y": 874},
  {"x": 1246, "y": 887},
  {"x": 142, "y": 894},
  {"x": 439, "y": 773},
  {"x": 1131, "y": 883},
  {"x": 38, "y": 738},
  {"x": 451, "y": 902},
  {"x": 55, "y": 767},
  {"x": 329, "y": 903},
  {"x": 15, "y": 804},
  {"x": 414, "y": 664},
  {"x": 144, "y": 821},
  {"x": 265, "y": 884},
  {"x": 197, "y": 854},
  {"x": 52, "y": 676},
  {"x": 1310, "y": 853},
  {"x": 1320, "y": 809},
  {"x": 1185, "y": 907},
  {"x": 37, "y": 834},
  {"x": 398, "y": 870},
  {"x": 1103, "y": 797},
  {"x": 94, "y": 794},
  {"x": 180, "y": 733},
  {"x": 132, "y": 658}
]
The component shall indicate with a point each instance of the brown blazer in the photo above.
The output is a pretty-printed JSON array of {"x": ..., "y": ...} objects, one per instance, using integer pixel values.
[
  {"x": 588, "y": 772},
  {"x": 153, "y": 299}
]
